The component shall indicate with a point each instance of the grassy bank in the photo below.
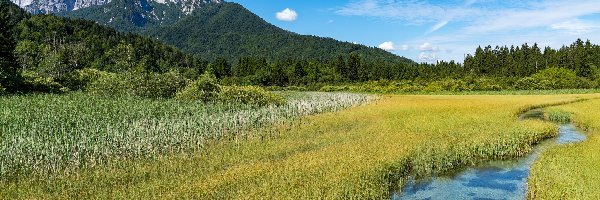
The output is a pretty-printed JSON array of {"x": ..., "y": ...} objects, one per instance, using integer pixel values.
[
  {"x": 356, "y": 153},
  {"x": 571, "y": 171}
]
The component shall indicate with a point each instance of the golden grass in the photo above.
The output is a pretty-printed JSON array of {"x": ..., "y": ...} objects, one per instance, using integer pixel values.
[
  {"x": 357, "y": 153},
  {"x": 571, "y": 171}
]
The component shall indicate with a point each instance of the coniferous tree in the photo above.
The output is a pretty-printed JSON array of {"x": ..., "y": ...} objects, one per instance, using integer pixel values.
[
  {"x": 354, "y": 64},
  {"x": 9, "y": 76},
  {"x": 221, "y": 68}
]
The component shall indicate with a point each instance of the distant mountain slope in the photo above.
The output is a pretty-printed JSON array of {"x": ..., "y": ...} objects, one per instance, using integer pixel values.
[
  {"x": 136, "y": 15},
  {"x": 54, "y": 46},
  {"x": 54, "y": 6},
  {"x": 221, "y": 29}
]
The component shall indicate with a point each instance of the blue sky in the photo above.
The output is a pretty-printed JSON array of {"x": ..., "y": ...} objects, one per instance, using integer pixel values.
[{"x": 426, "y": 31}]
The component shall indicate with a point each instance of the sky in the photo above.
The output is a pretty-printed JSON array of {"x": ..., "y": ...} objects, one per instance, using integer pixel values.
[{"x": 428, "y": 31}]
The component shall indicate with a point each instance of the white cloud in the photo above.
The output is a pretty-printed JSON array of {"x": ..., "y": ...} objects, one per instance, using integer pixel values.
[
  {"x": 484, "y": 22},
  {"x": 330, "y": 21},
  {"x": 388, "y": 46},
  {"x": 428, "y": 47},
  {"x": 414, "y": 11},
  {"x": 404, "y": 47},
  {"x": 575, "y": 27},
  {"x": 428, "y": 56},
  {"x": 287, "y": 15},
  {"x": 437, "y": 26},
  {"x": 480, "y": 18}
]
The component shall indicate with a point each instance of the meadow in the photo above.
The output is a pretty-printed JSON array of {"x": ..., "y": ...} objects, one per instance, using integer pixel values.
[
  {"x": 48, "y": 134},
  {"x": 571, "y": 171},
  {"x": 362, "y": 152}
]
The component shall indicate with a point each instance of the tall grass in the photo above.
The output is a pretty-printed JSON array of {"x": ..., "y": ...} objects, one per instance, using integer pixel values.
[
  {"x": 570, "y": 171},
  {"x": 41, "y": 134},
  {"x": 357, "y": 153}
]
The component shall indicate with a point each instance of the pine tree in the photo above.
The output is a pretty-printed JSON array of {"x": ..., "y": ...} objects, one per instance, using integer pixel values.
[{"x": 9, "y": 76}]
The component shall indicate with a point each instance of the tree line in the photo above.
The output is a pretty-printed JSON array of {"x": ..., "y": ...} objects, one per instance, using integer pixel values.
[{"x": 45, "y": 53}]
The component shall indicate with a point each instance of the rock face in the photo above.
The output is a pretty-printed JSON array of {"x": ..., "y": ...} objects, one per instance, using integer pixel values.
[{"x": 54, "y": 6}]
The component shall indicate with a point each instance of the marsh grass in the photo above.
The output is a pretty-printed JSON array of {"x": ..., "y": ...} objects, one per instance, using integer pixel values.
[
  {"x": 48, "y": 134},
  {"x": 570, "y": 171},
  {"x": 359, "y": 153}
]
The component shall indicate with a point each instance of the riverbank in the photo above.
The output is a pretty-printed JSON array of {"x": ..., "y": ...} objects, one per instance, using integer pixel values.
[
  {"x": 571, "y": 171},
  {"x": 362, "y": 152}
]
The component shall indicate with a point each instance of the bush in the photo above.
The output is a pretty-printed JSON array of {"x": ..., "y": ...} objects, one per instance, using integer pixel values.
[
  {"x": 155, "y": 85},
  {"x": 250, "y": 95},
  {"x": 2, "y": 90},
  {"x": 36, "y": 83},
  {"x": 108, "y": 84},
  {"x": 556, "y": 78},
  {"x": 527, "y": 83},
  {"x": 204, "y": 89},
  {"x": 81, "y": 79},
  {"x": 487, "y": 84},
  {"x": 147, "y": 85}
]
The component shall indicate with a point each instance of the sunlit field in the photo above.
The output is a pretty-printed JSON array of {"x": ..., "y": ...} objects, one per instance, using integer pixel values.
[
  {"x": 571, "y": 172},
  {"x": 50, "y": 133},
  {"x": 78, "y": 146}
]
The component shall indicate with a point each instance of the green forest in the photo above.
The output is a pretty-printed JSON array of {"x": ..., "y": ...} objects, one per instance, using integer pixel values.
[
  {"x": 226, "y": 30},
  {"x": 46, "y": 53}
]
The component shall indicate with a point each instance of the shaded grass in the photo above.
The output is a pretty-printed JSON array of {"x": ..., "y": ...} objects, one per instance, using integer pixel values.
[
  {"x": 356, "y": 153},
  {"x": 571, "y": 171}
]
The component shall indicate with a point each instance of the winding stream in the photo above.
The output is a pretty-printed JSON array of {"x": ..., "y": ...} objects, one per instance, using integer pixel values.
[{"x": 491, "y": 180}]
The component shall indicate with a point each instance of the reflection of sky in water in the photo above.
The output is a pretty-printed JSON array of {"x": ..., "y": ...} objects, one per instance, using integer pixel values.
[{"x": 494, "y": 180}]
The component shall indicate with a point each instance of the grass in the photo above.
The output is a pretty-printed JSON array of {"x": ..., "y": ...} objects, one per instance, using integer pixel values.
[
  {"x": 43, "y": 134},
  {"x": 571, "y": 171},
  {"x": 361, "y": 152}
]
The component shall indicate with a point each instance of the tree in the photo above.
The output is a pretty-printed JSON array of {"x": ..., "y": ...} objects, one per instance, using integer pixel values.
[
  {"x": 221, "y": 68},
  {"x": 341, "y": 67},
  {"x": 354, "y": 63},
  {"x": 9, "y": 76}
]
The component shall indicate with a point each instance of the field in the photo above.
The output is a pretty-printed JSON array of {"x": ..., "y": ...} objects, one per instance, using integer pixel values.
[
  {"x": 571, "y": 172},
  {"x": 132, "y": 148}
]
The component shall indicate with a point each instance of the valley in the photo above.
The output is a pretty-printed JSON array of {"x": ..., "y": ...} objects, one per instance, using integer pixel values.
[{"x": 208, "y": 99}]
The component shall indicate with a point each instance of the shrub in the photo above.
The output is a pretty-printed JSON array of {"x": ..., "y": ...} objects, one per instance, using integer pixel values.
[
  {"x": 147, "y": 85},
  {"x": 37, "y": 83},
  {"x": 81, "y": 79},
  {"x": 527, "y": 83},
  {"x": 108, "y": 84},
  {"x": 205, "y": 89},
  {"x": 433, "y": 87},
  {"x": 329, "y": 88},
  {"x": 487, "y": 84},
  {"x": 584, "y": 83},
  {"x": 250, "y": 95},
  {"x": 156, "y": 85},
  {"x": 556, "y": 78},
  {"x": 2, "y": 90}
]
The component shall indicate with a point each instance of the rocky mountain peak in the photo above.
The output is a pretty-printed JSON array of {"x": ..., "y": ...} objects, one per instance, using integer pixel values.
[{"x": 54, "y": 6}]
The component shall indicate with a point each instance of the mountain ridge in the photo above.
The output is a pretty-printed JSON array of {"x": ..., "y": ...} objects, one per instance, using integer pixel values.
[
  {"x": 55, "y": 6},
  {"x": 214, "y": 28}
]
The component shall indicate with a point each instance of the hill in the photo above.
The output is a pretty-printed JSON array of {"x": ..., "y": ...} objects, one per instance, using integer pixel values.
[
  {"x": 50, "y": 49},
  {"x": 222, "y": 29}
]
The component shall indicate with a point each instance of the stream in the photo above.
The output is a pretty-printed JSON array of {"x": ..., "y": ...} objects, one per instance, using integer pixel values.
[{"x": 491, "y": 180}]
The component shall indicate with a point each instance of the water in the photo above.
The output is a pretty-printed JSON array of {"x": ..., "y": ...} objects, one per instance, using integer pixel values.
[{"x": 492, "y": 180}]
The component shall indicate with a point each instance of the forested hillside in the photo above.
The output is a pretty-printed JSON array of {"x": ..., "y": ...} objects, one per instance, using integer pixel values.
[
  {"x": 47, "y": 52},
  {"x": 222, "y": 29}
]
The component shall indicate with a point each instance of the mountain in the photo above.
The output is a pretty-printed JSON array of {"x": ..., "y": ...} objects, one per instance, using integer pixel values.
[
  {"x": 48, "y": 49},
  {"x": 137, "y": 15},
  {"x": 55, "y": 6},
  {"x": 212, "y": 29}
]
